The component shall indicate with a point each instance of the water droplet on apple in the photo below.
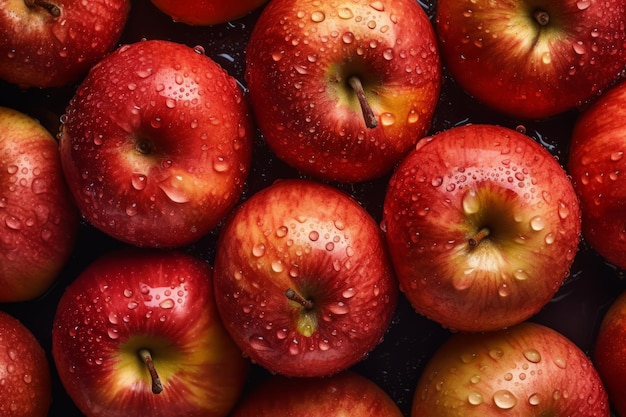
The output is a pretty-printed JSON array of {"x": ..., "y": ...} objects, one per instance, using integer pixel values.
[
  {"x": 345, "y": 13},
  {"x": 220, "y": 165},
  {"x": 579, "y": 48},
  {"x": 470, "y": 202},
  {"x": 537, "y": 223},
  {"x": 113, "y": 318},
  {"x": 294, "y": 349},
  {"x": 549, "y": 238},
  {"x": 28, "y": 378},
  {"x": 277, "y": 266},
  {"x": 475, "y": 398},
  {"x": 318, "y": 16},
  {"x": 504, "y": 290},
  {"x": 174, "y": 189},
  {"x": 324, "y": 345},
  {"x": 258, "y": 250},
  {"x": 496, "y": 353},
  {"x": 348, "y": 293},
  {"x": 378, "y": 6},
  {"x": 520, "y": 275},
  {"x": 258, "y": 342},
  {"x": 170, "y": 103},
  {"x": 534, "y": 399},
  {"x": 388, "y": 54},
  {"x": 281, "y": 334},
  {"x": 13, "y": 222},
  {"x": 560, "y": 362},
  {"x": 532, "y": 355},
  {"x": 583, "y": 4},
  {"x": 132, "y": 305},
  {"x": 167, "y": 304},
  {"x": 387, "y": 119},
  {"x": 113, "y": 334},
  {"x": 339, "y": 308},
  {"x": 348, "y": 38},
  {"x": 504, "y": 399},
  {"x": 282, "y": 231},
  {"x": 314, "y": 235}
]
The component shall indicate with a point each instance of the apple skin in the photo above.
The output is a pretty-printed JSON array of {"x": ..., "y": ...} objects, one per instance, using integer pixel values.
[
  {"x": 596, "y": 163},
  {"x": 206, "y": 12},
  {"x": 299, "y": 57},
  {"x": 459, "y": 183},
  {"x": 500, "y": 53},
  {"x": 156, "y": 144},
  {"x": 526, "y": 370},
  {"x": 24, "y": 371},
  {"x": 52, "y": 43},
  {"x": 609, "y": 354},
  {"x": 343, "y": 394},
  {"x": 159, "y": 300},
  {"x": 316, "y": 240},
  {"x": 39, "y": 221}
]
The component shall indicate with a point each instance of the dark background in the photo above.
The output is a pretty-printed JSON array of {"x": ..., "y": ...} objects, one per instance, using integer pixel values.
[{"x": 396, "y": 364}]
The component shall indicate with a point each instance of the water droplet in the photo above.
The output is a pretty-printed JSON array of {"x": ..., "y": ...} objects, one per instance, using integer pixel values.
[
  {"x": 167, "y": 304},
  {"x": 378, "y": 6},
  {"x": 475, "y": 398},
  {"x": 314, "y": 235},
  {"x": 534, "y": 399},
  {"x": 532, "y": 355},
  {"x": 258, "y": 250},
  {"x": 199, "y": 49},
  {"x": 388, "y": 54},
  {"x": 113, "y": 334},
  {"x": 339, "y": 308},
  {"x": 258, "y": 342},
  {"x": 318, "y": 16},
  {"x": 28, "y": 378},
  {"x": 504, "y": 399},
  {"x": 579, "y": 48},
  {"x": 277, "y": 266},
  {"x": 113, "y": 318},
  {"x": 496, "y": 353},
  {"x": 560, "y": 362},
  {"x": 616, "y": 156},
  {"x": 13, "y": 222},
  {"x": 132, "y": 305},
  {"x": 347, "y": 38},
  {"x": 546, "y": 58},
  {"x": 349, "y": 293},
  {"x": 470, "y": 202},
  {"x": 345, "y": 13},
  {"x": 128, "y": 293},
  {"x": 583, "y": 4},
  {"x": 281, "y": 334},
  {"x": 520, "y": 275},
  {"x": 537, "y": 223},
  {"x": 387, "y": 119}
]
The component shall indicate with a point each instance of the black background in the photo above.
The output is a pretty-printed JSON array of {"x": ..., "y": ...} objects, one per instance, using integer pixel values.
[{"x": 396, "y": 364}]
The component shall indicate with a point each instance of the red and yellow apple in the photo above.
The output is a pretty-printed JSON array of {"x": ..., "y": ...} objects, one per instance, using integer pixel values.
[
  {"x": 482, "y": 224},
  {"x": 532, "y": 58},
  {"x": 303, "y": 281},
  {"x": 52, "y": 43},
  {"x": 343, "y": 90},
  {"x": 25, "y": 387},
  {"x": 38, "y": 219},
  {"x": 156, "y": 144},
  {"x": 139, "y": 330},
  {"x": 526, "y": 370}
]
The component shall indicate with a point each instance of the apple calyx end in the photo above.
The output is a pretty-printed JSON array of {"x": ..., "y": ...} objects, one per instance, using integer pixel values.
[
  {"x": 53, "y": 9},
  {"x": 368, "y": 113},
  {"x": 541, "y": 17},
  {"x": 146, "y": 357},
  {"x": 478, "y": 237},
  {"x": 294, "y": 296}
]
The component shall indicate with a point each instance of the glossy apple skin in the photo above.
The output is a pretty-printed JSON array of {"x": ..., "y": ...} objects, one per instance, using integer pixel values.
[
  {"x": 38, "y": 219},
  {"x": 449, "y": 188},
  {"x": 40, "y": 49},
  {"x": 24, "y": 371},
  {"x": 316, "y": 240},
  {"x": 207, "y": 12},
  {"x": 162, "y": 301},
  {"x": 500, "y": 54},
  {"x": 526, "y": 370},
  {"x": 156, "y": 144},
  {"x": 343, "y": 394},
  {"x": 299, "y": 57},
  {"x": 609, "y": 354},
  {"x": 596, "y": 163}
]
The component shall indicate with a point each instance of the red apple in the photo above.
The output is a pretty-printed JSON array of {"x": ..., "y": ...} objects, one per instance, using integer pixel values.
[
  {"x": 24, "y": 372},
  {"x": 532, "y": 59},
  {"x": 38, "y": 220},
  {"x": 343, "y": 394},
  {"x": 206, "y": 12},
  {"x": 527, "y": 370},
  {"x": 596, "y": 164},
  {"x": 51, "y": 43},
  {"x": 483, "y": 225},
  {"x": 610, "y": 353},
  {"x": 342, "y": 90},
  {"x": 138, "y": 332},
  {"x": 302, "y": 279},
  {"x": 156, "y": 144}
]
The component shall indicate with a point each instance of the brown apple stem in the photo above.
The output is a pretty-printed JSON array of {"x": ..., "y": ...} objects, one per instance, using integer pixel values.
[
  {"x": 53, "y": 9},
  {"x": 294, "y": 296},
  {"x": 542, "y": 17},
  {"x": 368, "y": 113},
  {"x": 146, "y": 356},
  {"x": 478, "y": 237}
]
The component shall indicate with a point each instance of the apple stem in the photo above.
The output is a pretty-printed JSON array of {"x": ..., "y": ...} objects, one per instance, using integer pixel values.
[
  {"x": 146, "y": 356},
  {"x": 542, "y": 17},
  {"x": 368, "y": 113},
  {"x": 53, "y": 9},
  {"x": 294, "y": 296},
  {"x": 478, "y": 237}
]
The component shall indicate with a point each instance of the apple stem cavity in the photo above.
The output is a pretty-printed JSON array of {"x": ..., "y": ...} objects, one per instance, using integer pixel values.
[
  {"x": 146, "y": 356},
  {"x": 368, "y": 113},
  {"x": 294, "y": 296},
  {"x": 542, "y": 17},
  {"x": 53, "y": 9},
  {"x": 478, "y": 237}
]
